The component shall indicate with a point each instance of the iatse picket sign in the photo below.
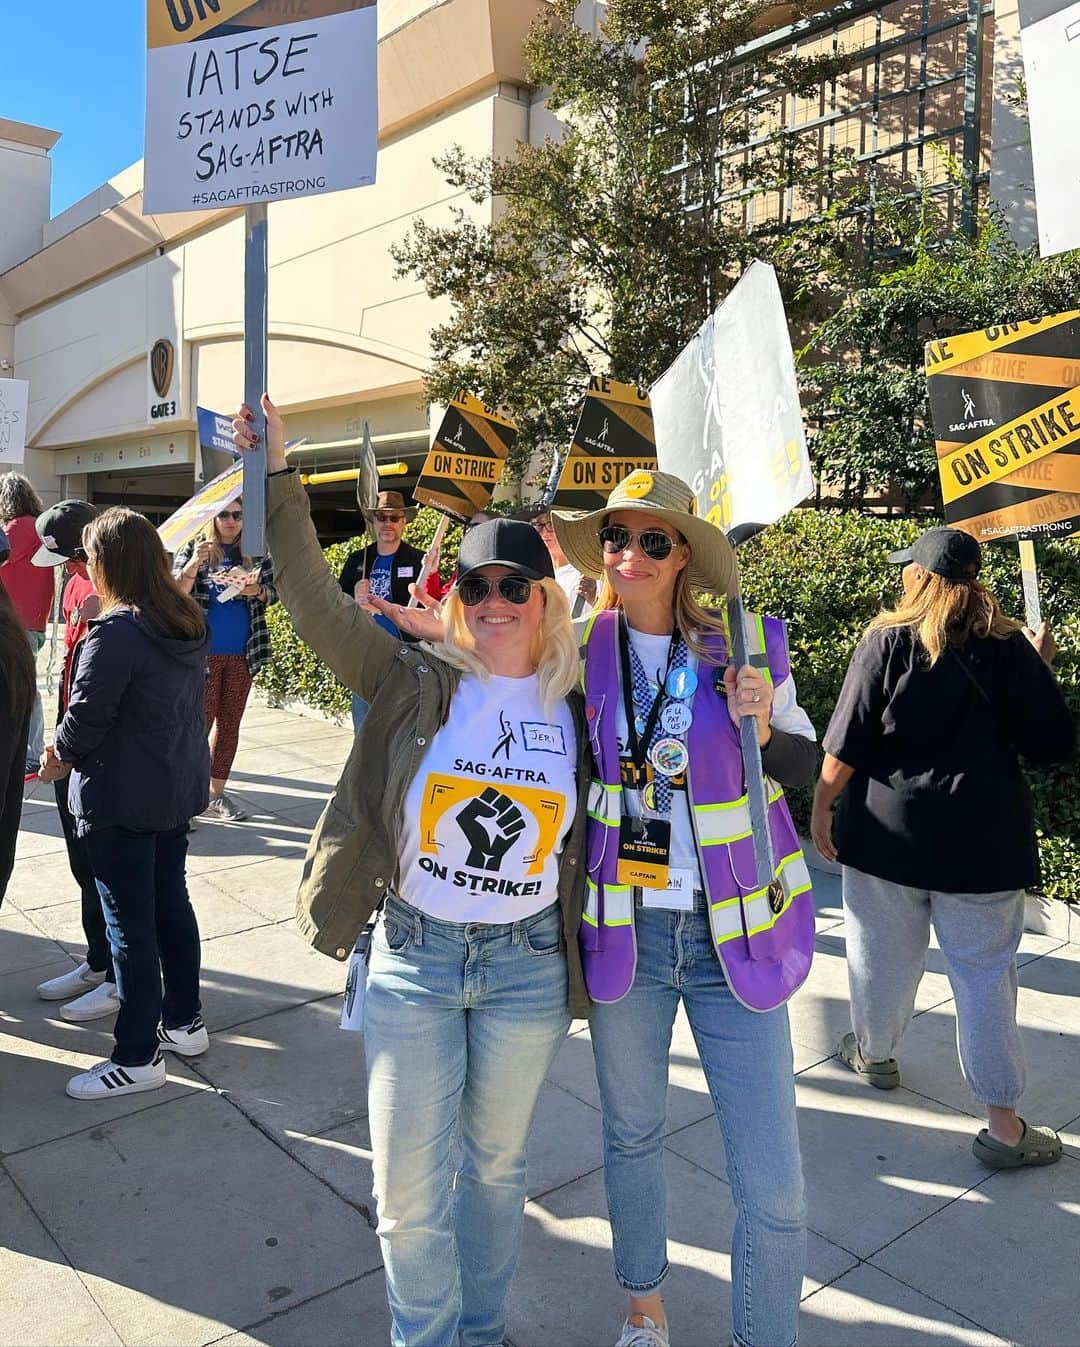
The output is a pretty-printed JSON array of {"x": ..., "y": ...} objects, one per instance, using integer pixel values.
[{"x": 254, "y": 102}]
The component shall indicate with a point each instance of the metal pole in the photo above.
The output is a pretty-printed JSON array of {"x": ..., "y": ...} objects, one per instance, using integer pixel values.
[
  {"x": 255, "y": 380},
  {"x": 1029, "y": 578},
  {"x": 757, "y": 797}
]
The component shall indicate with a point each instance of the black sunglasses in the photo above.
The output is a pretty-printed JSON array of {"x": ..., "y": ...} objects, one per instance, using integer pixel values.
[
  {"x": 388, "y": 517},
  {"x": 474, "y": 589},
  {"x": 617, "y": 538},
  {"x": 231, "y": 514}
]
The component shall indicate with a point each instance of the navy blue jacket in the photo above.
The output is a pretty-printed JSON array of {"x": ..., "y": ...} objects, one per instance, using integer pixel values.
[{"x": 135, "y": 728}]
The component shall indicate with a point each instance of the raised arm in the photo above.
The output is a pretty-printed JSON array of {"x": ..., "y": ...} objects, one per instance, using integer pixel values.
[{"x": 357, "y": 649}]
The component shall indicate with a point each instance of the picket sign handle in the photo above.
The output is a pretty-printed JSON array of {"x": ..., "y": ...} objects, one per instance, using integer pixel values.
[
  {"x": 1029, "y": 578},
  {"x": 255, "y": 358},
  {"x": 757, "y": 797},
  {"x": 431, "y": 559}
]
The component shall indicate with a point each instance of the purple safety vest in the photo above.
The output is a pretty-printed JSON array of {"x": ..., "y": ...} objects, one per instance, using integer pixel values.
[{"x": 764, "y": 938}]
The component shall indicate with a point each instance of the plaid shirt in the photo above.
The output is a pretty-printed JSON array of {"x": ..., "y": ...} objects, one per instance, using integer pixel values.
[{"x": 257, "y": 652}]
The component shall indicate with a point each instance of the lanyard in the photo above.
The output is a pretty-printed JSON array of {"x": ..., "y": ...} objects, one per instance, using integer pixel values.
[{"x": 639, "y": 747}]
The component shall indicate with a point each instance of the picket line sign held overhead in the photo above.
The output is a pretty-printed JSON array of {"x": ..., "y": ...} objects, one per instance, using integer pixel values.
[
  {"x": 727, "y": 414},
  {"x": 245, "y": 108}
]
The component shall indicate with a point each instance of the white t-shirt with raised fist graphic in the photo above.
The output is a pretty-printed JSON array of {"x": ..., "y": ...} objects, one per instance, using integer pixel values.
[{"x": 487, "y": 814}]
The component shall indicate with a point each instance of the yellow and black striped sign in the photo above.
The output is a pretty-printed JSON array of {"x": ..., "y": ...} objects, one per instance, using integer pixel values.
[
  {"x": 1006, "y": 410},
  {"x": 169, "y": 22},
  {"x": 614, "y": 437},
  {"x": 466, "y": 460}
]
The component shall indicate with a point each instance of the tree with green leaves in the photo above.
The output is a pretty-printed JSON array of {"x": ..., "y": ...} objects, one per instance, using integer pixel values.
[
  {"x": 864, "y": 390},
  {"x": 612, "y": 244}
]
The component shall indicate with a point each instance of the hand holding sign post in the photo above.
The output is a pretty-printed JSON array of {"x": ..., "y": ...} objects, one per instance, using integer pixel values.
[{"x": 729, "y": 422}]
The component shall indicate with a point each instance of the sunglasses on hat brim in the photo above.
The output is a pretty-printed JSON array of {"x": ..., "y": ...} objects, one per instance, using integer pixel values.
[
  {"x": 474, "y": 589},
  {"x": 654, "y": 543}
]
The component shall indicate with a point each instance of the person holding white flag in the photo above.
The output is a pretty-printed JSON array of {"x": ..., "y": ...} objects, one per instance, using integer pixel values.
[{"x": 673, "y": 912}]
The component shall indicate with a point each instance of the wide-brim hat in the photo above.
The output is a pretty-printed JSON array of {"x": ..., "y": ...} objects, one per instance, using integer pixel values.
[
  {"x": 712, "y": 558},
  {"x": 390, "y": 500}
]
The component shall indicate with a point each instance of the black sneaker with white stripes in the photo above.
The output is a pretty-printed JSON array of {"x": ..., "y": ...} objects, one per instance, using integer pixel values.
[
  {"x": 107, "y": 1080},
  {"x": 189, "y": 1040}
]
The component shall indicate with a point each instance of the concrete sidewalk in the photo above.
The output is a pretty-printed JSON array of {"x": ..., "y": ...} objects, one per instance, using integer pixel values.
[{"x": 234, "y": 1206}]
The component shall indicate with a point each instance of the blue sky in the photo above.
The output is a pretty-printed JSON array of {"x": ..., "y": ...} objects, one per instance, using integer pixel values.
[{"x": 77, "y": 68}]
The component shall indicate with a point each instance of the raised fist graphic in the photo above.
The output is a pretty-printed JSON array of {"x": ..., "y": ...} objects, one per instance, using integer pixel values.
[{"x": 492, "y": 823}]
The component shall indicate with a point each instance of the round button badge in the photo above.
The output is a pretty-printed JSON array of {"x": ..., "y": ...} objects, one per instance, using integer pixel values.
[
  {"x": 681, "y": 683},
  {"x": 669, "y": 757},
  {"x": 676, "y": 718}
]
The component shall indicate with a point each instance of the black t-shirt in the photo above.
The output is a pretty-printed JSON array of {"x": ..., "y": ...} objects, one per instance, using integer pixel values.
[{"x": 938, "y": 800}]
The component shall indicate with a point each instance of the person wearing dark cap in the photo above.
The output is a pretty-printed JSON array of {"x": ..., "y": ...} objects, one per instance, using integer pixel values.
[
  {"x": 934, "y": 823},
  {"x": 459, "y": 819},
  {"x": 387, "y": 568},
  {"x": 89, "y": 989}
]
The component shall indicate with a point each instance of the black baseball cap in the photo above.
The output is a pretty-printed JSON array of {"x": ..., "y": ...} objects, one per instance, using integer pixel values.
[
  {"x": 950, "y": 553},
  {"x": 505, "y": 542},
  {"x": 60, "y": 529}
]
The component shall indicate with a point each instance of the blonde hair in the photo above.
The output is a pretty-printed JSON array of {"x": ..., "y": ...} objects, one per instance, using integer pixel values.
[
  {"x": 942, "y": 612},
  {"x": 209, "y": 534},
  {"x": 554, "y": 651},
  {"x": 692, "y": 617}
]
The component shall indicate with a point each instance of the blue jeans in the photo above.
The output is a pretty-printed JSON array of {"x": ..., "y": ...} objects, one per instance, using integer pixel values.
[
  {"x": 35, "y": 745},
  {"x": 747, "y": 1062},
  {"x": 461, "y": 1023},
  {"x": 152, "y": 933},
  {"x": 359, "y": 709}
]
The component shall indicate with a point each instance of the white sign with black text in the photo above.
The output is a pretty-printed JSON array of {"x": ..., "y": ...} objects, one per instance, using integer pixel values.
[
  {"x": 14, "y": 405},
  {"x": 1052, "y": 67},
  {"x": 241, "y": 109}
]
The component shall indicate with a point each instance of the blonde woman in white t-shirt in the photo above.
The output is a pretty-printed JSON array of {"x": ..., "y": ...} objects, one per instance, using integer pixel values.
[{"x": 462, "y": 806}]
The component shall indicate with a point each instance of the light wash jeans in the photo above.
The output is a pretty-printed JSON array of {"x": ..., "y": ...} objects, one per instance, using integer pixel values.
[
  {"x": 461, "y": 1023},
  {"x": 36, "y": 743},
  {"x": 747, "y": 1061}
]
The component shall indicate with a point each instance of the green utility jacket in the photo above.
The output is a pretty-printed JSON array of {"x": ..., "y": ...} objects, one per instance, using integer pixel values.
[{"x": 352, "y": 859}]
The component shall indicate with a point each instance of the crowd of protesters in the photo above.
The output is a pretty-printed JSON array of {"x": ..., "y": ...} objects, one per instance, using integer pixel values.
[{"x": 563, "y": 807}]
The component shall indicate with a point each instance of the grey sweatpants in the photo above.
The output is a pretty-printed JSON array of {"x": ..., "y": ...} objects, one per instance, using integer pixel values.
[{"x": 888, "y": 932}]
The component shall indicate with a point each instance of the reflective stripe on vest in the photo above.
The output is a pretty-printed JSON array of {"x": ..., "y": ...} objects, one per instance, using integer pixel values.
[
  {"x": 756, "y": 911},
  {"x": 618, "y": 904},
  {"x": 604, "y": 803},
  {"x": 717, "y": 823}
]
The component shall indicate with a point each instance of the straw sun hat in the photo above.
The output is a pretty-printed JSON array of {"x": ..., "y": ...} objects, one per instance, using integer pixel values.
[{"x": 712, "y": 558}]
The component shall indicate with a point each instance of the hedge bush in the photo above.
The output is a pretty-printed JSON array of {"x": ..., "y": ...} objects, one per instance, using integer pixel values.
[{"x": 827, "y": 575}]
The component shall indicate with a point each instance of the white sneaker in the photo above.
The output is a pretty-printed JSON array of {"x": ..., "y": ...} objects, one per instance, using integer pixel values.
[
  {"x": 224, "y": 809},
  {"x": 71, "y": 984},
  {"x": 106, "y": 1080},
  {"x": 99, "y": 1001},
  {"x": 190, "y": 1040},
  {"x": 648, "y": 1335}
]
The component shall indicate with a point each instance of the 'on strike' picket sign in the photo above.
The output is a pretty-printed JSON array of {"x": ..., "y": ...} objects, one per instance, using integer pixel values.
[{"x": 249, "y": 102}]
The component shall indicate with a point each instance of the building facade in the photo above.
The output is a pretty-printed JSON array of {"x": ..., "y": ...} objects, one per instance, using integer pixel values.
[{"x": 87, "y": 296}]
